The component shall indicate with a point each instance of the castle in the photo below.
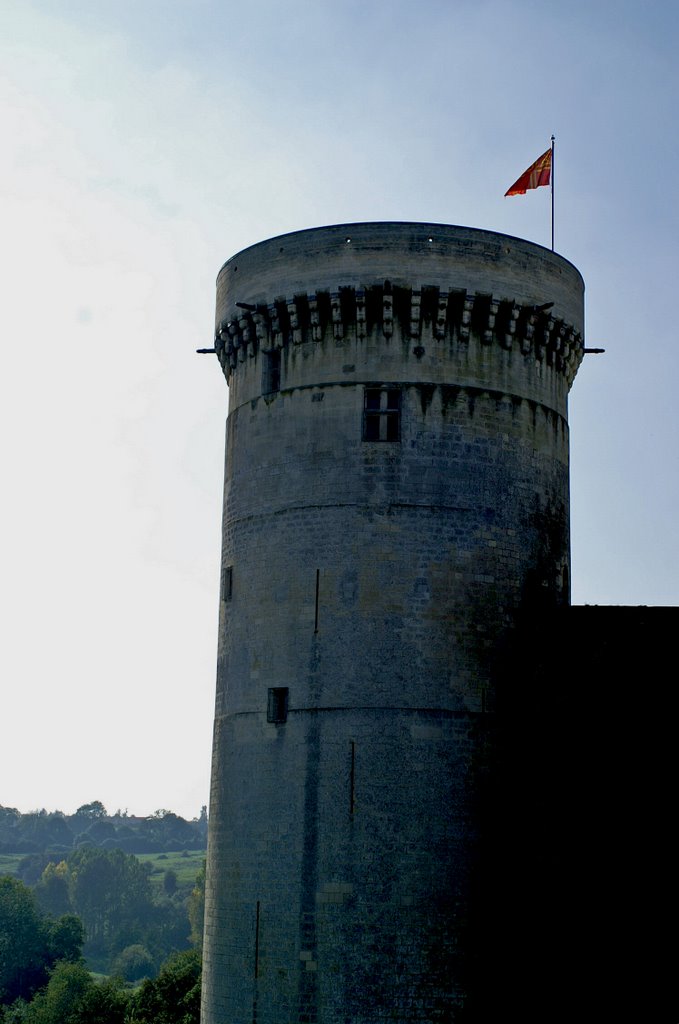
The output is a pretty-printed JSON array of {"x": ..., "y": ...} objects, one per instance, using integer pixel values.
[{"x": 395, "y": 637}]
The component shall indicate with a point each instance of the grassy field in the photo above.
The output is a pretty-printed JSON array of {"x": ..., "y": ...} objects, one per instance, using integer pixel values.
[
  {"x": 185, "y": 864},
  {"x": 9, "y": 862}
]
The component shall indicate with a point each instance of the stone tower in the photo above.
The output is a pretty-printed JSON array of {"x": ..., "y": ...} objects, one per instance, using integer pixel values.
[{"x": 396, "y": 493}]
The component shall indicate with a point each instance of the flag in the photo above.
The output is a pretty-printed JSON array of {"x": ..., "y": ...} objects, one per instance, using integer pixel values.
[{"x": 537, "y": 174}]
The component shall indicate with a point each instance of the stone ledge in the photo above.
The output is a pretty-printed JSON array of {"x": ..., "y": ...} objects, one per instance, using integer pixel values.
[{"x": 349, "y": 312}]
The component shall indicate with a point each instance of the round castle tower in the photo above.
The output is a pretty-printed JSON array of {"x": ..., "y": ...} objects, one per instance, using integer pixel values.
[{"x": 396, "y": 492}]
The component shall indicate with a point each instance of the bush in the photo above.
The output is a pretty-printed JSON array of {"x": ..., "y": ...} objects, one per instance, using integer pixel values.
[
  {"x": 174, "y": 996},
  {"x": 170, "y": 882},
  {"x": 134, "y": 963}
]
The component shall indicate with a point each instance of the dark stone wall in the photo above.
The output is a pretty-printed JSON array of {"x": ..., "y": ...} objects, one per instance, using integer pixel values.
[{"x": 576, "y": 884}]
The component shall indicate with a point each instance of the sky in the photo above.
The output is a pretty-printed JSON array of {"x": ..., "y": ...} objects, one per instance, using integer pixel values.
[{"x": 143, "y": 144}]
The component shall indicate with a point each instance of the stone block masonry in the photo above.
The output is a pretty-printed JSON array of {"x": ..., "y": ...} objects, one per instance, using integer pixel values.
[{"x": 396, "y": 493}]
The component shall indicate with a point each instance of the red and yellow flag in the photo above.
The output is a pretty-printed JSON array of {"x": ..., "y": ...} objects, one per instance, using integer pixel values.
[{"x": 537, "y": 174}]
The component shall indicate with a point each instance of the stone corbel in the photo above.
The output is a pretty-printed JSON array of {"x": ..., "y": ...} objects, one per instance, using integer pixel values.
[
  {"x": 465, "y": 323},
  {"x": 415, "y": 312},
  {"x": 508, "y": 337},
  {"x": 441, "y": 313},
  {"x": 221, "y": 338},
  {"x": 556, "y": 344},
  {"x": 361, "y": 329},
  {"x": 314, "y": 317},
  {"x": 244, "y": 328},
  {"x": 576, "y": 351},
  {"x": 490, "y": 326},
  {"x": 276, "y": 330},
  {"x": 261, "y": 331},
  {"x": 245, "y": 325},
  {"x": 387, "y": 312},
  {"x": 542, "y": 339},
  {"x": 567, "y": 346},
  {"x": 336, "y": 311},
  {"x": 295, "y": 329},
  {"x": 234, "y": 336},
  {"x": 527, "y": 340}
]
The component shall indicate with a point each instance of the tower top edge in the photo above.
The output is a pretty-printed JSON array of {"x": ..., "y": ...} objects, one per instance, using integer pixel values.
[{"x": 406, "y": 236}]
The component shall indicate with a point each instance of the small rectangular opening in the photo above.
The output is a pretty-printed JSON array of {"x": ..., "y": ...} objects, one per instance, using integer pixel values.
[
  {"x": 277, "y": 705},
  {"x": 271, "y": 372},
  {"x": 227, "y": 582}
]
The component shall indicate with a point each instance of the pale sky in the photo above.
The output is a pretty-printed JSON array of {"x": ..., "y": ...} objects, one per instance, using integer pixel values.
[{"x": 144, "y": 143}]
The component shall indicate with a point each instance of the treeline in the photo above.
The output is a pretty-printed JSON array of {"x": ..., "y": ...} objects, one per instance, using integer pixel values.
[
  {"x": 91, "y": 825},
  {"x": 129, "y": 927},
  {"x": 44, "y": 980}
]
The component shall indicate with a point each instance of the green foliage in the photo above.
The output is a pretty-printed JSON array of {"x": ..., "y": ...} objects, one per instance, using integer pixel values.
[
  {"x": 31, "y": 867},
  {"x": 14, "y": 1014},
  {"x": 41, "y": 831},
  {"x": 134, "y": 963},
  {"x": 65, "y": 936},
  {"x": 92, "y": 811},
  {"x": 196, "y": 908},
  {"x": 110, "y": 892},
  {"x": 52, "y": 889},
  {"x": 170, "y": 882},
  {"x": 100, "y": 830},
  {"x": 174, "y": 996},
  {"x": 23, "y": 953},
  {"x": 60, "y": 1001},
  {"x": 30, "y": 943},
  {"x": 44, "y": 981},
  {"x": 106, "y": 1003},
  {"x": 71, "y": 997}
]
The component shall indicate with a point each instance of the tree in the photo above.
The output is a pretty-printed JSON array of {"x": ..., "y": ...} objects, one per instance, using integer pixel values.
[
  {"x": 31, "y": 867},
  {"x": 71, "y": 997},
  {"x": 169, "y": 830},
  {"x": 30, "y": 944},
  {"x": 167, "y": 929},
  {"x": 22, "y": 942},
  {"x": 170, "y": 882},
  {"x": 65, "y": 936},
  {"x": 134, "y": 963},
  {"x": 100, "y": 830},
  {"x": 93, "y": 811},
  {"x": 59, "y": 1002},
  {"x": 196, "y": 908},
  {"x": 174, "y": 996},
  {"x": 104, "y": 1004},
  {"x": 201, "y": 822},
  {"x": 110, "y": 890},
  {"x": 9, "y": 819},
  {"x": 52, "y": 889},
  {"x": 45, "y": 830}
]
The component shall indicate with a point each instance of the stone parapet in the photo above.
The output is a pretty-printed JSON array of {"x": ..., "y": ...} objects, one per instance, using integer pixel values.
[{"x": 425, "y": 313}]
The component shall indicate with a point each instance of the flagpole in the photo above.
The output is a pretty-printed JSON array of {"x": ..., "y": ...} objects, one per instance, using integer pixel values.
[{"x": 552, "y": 176}]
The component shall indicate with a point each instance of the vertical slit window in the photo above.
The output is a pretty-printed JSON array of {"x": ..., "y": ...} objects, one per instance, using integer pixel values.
[
  {"x": 277, "y": 705},
  {"x": 227, "y": 582},
  {"x": 382, "y": 414}
]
